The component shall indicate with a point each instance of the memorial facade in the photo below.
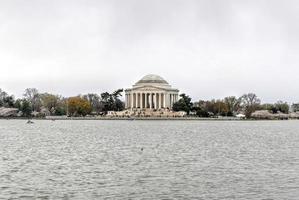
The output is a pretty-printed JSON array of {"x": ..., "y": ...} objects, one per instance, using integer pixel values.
[{"x": 151, "y": 92}]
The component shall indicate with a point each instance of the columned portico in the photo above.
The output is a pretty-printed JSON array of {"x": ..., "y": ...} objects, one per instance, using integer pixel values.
[
  {"x": 154, "y": 100},
  {"x": 151, "y": 92}
]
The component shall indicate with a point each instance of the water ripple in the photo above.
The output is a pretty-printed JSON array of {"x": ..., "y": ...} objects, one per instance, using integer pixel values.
[{"x": 149, "y": 160}]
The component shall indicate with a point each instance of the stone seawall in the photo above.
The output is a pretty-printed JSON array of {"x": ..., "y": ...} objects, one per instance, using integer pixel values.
[{"x": 140, "y": 118}]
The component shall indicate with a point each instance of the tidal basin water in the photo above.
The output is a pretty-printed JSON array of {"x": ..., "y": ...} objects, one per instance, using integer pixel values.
[{"x": 149, "y": 160}]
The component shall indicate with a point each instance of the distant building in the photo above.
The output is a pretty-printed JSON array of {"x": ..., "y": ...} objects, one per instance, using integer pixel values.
[{"x": 151, "y": 92}]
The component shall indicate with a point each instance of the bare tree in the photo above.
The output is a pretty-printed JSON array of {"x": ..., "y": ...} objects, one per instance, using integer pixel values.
[
  {"x": 250, "y": 103},
  {"x": 233, "y": 104},
  {"x": 33, "y": 96},
  {"x": 94, "y": 101}
]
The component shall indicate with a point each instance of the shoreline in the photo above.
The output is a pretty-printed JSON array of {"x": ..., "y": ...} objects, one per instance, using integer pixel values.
[{"x": 143, "y": 119}]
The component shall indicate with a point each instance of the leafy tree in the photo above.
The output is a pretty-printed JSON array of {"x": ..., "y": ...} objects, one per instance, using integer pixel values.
[
  {"x": 78, "y": 106},
  {"x": 250, "y": 103},
  {"x": 118, "y": 104},
  {"x": 50, "y": 102},
  {"x": 25, "y": 108},
  {"x": 106, "y": 102},
  {"x": 9, "y": 101},
  {"x": 200, "y": 108},
  {"x": 221, "y": 108},
  {"x": 18, "y": 104},
  {"x": 183, "y": 104},
  {"x": 55, "y": 104},
  {"x": 295, "y": 107},
  {"x": 200, "y": 112},
  {"x": 270, "y": 107},
  {"x": 111, "y": 102},
  {"x": 3, "y": 95},
  {"x": 282, "y": 107},
  {"x": 6, "y": 100},
  {"x": 61, "y": 108}
]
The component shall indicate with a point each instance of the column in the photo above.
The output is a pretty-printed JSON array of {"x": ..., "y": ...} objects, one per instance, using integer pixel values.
[
  {"x": 153, "y": 101},
  {"x": 131, "y": 100},
  {"x": 173, "y": 99},
  {"x": 135, "y": 100},
  {"x": 138, "y": 100},
  {"x": 126, "y": 99},
  {"x": 159, "y": 100},
  {"x": 145, "y": 100},
  {"x": 141, "y": 100},
  {"x": 156, "y": 99},
  {"x": 150, "y": 100},
  {"x": 136, "y": 103},
  {"x": 164, "y": 99},
  {"x": 168, "y": 100}
]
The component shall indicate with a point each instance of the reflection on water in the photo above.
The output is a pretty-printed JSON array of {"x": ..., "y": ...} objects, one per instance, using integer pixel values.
[{"x": 149, "y": 160}]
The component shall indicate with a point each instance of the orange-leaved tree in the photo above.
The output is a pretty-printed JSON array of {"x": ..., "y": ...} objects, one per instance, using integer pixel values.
[{"x": 78, "y": 106}]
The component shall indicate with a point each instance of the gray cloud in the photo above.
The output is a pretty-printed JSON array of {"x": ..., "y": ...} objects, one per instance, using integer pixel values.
[{"x": 205, "y": 48}]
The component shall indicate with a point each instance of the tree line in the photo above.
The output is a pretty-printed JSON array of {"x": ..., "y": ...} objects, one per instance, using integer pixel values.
[
  {"x": 230, "y": 106},
  {"x": 40, "y": 104}
]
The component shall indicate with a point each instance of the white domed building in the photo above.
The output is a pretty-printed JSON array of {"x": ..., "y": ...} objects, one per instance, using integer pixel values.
[{"x": 151, "y": 92}]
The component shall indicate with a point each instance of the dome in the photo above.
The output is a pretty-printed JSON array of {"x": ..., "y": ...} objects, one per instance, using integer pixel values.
[{"x": 152, "y": 78}]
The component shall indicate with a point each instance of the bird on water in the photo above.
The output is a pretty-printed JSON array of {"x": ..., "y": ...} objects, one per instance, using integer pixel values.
[{"x": 30, "y": 122}]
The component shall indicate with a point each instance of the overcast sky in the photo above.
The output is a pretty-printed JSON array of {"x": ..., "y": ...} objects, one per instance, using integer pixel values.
[{"x": 206, "y": 48}]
